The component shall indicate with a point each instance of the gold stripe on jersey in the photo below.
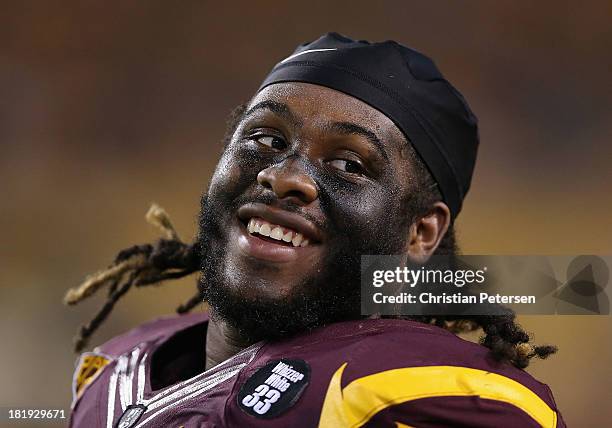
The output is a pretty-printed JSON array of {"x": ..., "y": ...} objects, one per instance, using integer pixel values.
[{"x": 354, "y": 405}]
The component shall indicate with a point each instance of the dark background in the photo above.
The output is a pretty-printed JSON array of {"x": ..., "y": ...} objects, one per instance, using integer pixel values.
[{"x": 106, "y": 107}]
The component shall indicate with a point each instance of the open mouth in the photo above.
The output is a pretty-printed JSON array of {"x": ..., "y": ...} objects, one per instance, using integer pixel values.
[
  {"x": 273, "y": 234},
  {"x": 276, "y": 233}
]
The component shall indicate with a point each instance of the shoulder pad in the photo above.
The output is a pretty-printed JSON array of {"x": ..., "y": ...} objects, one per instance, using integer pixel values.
[{"x": 440, "y": 396}]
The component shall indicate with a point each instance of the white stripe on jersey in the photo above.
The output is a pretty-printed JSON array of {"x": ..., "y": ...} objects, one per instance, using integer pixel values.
[{"x": 123, "y": 380}]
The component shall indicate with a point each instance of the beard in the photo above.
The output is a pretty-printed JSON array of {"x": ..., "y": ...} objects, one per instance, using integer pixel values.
[{"x": 330, "y": 294}]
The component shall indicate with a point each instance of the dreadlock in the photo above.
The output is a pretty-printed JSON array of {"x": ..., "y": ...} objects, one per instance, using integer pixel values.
[
  {"x": 139, "y": 266},
  {"x": 171, "y": 258}
]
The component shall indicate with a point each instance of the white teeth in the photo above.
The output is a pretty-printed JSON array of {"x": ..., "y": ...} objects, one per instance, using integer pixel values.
[
  {"x": 297, "y": 239},
  {"x": 253, "y": 226},
  {"x": 265, "y": 229},
  {"x": 277, "y": 233}
]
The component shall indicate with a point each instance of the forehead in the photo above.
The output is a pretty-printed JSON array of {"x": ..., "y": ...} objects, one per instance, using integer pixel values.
[{"x": 318, "y": 105}]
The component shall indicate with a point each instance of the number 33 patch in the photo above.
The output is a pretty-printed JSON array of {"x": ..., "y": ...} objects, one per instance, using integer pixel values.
[{"x": 274, "y": 388}]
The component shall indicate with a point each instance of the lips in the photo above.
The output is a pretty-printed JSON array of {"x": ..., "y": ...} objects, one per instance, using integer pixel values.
[{"x": 272, "y": 234}]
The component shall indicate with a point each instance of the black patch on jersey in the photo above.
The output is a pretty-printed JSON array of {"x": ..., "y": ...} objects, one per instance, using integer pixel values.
[
  {"x": 274, "y": 388},
  {"x": 130, "y": 417}
]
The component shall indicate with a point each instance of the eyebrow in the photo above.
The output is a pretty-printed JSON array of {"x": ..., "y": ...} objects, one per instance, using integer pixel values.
[
  {"x": 344, "y": 128},
  {"x": 349, "y": 128},
  {"x": 280, "y": 109}
]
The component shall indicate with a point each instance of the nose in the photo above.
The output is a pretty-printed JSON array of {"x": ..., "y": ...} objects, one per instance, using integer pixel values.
[{"x": 287, "y": 182}]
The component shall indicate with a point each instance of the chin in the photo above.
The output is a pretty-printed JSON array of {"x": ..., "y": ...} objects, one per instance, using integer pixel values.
[{"x": 279, "y": 284}]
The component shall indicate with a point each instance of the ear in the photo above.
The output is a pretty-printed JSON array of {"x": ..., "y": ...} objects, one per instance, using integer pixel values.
[{"x": 426, "y": 233}]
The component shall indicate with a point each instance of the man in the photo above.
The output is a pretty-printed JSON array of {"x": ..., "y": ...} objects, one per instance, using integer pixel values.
[{"x": 347, "y": 148}]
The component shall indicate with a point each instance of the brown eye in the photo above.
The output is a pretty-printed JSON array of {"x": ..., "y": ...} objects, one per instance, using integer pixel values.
[
  {"x": 270, "y": 141},
  {"x": 349, "y": 166}
]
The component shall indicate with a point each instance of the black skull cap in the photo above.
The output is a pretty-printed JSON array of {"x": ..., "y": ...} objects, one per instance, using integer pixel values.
[{"x": 407, "y": 87}]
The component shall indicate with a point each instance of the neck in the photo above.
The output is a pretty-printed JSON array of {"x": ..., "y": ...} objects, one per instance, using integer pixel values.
[{"x": 222, "y": 342}]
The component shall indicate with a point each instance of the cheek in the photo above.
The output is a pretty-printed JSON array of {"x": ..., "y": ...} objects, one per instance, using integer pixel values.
[
  {"x": 235, "y": 171},
  {"x": 369, "y": 212},
  {"x": 225, "y": 171}
]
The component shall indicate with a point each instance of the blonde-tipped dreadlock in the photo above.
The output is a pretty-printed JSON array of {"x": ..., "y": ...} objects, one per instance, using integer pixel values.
[
  {"x": 139, "y": 265},
  {"x": 158, "y": 217}
]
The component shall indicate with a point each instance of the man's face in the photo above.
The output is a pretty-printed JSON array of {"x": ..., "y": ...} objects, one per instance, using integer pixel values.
[{"x": 311, "y": 180}]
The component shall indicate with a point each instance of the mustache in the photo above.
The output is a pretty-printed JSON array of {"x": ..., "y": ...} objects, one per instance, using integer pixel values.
[{"x": 288, "y": 205}]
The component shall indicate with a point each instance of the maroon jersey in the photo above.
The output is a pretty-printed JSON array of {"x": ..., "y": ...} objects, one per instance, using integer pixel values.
[{"x": 372, "y": 373}]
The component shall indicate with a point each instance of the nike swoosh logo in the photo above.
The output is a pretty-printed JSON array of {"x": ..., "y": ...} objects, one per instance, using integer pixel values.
[{"x": 305, "y": 52}]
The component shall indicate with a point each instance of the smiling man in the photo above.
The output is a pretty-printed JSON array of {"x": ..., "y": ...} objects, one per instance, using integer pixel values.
[{"x": 347, "y": 148}]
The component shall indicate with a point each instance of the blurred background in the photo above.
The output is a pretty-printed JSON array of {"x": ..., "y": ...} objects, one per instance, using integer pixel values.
[{"x": 106, "y": 107}]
